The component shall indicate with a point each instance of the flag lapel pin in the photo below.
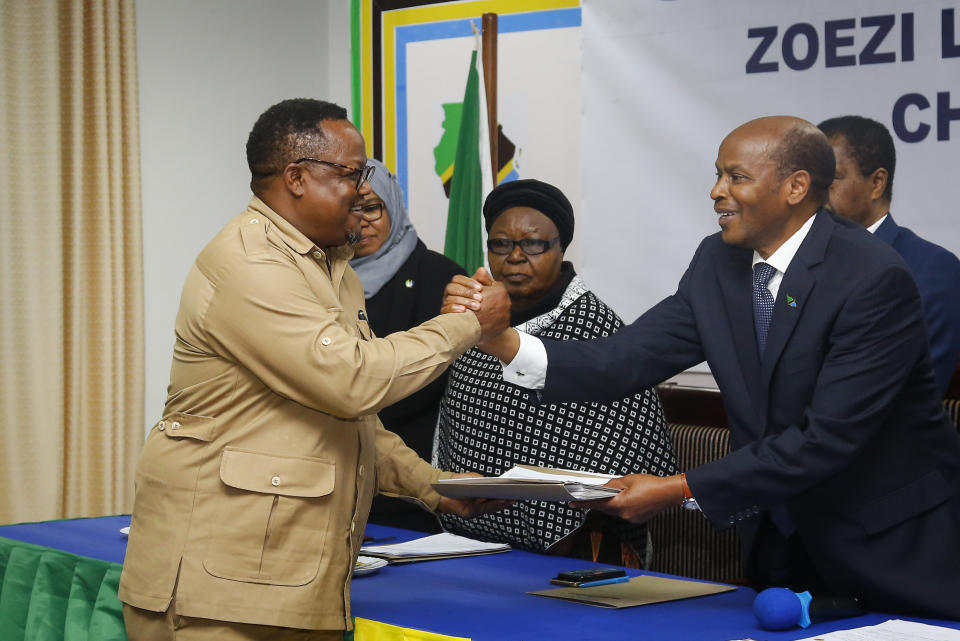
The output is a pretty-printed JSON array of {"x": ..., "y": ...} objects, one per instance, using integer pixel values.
[{"x": 791, "y": 301}]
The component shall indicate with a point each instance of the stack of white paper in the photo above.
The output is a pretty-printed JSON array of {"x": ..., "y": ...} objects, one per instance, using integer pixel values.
[
  {"x": 436, "y": 546},
  {"x": 524, "y": 482},
  {"x": 891, "y": 630}
]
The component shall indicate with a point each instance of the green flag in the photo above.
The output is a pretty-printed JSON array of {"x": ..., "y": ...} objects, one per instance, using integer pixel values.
[{"x": 464, "y": 242}]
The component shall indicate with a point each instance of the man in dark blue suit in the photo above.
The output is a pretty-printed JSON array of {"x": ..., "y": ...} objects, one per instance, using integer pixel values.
[
  {"x": 843, "y": 472},
  {"x": 861, "y": 192}
]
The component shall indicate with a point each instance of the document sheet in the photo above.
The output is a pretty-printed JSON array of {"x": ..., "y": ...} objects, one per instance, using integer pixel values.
[{"x": 892, "y": 630}]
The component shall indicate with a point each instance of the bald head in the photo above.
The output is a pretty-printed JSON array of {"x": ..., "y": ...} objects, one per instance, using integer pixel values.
[
  {"x": 774, "y": 126},
  {"x": 794, "y": 144}
]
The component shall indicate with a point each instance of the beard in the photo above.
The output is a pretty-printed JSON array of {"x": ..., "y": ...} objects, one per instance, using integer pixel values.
[{"x": 354, "y": 237}]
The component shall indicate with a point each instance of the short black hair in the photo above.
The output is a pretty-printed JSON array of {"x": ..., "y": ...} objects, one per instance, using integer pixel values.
[
  {"x": 805, "y": 148},
  {"x": 869, "y": 143},
  {"x": 287, "y": 131}
]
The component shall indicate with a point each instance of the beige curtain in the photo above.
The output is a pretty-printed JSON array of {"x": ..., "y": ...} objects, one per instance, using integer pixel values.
[{"x": 71, "y": 300}]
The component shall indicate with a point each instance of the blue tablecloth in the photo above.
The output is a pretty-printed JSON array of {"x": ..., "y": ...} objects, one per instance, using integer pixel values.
[{"x": 484, "y": 598}]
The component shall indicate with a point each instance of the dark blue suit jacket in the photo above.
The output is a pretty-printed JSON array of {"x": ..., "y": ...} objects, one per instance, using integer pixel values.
[
  {"x": 937, "y": 273},
  {"x": 839, "y": 421}
]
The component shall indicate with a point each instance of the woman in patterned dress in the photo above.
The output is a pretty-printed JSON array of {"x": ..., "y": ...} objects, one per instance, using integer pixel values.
[{"x": 488, "y": 425}]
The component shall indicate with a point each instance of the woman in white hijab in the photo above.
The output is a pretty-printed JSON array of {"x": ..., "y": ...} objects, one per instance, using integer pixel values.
[{"x": 403, "y": 283}]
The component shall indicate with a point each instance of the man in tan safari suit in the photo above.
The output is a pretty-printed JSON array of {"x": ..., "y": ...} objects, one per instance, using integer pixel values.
[{"x": 252, "y": 490}]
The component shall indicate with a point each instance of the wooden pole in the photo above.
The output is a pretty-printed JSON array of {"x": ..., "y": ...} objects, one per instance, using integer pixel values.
[{"x": 489, "y": 39}]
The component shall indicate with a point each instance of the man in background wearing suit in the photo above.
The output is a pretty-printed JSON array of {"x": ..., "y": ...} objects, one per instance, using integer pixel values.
[
  {"x": 861, "y": 192},
  {"x": 253, "y": 488},
  {"x": 843, "y": 472}
]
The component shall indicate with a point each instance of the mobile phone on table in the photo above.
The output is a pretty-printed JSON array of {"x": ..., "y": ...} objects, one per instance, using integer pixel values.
[{"x": 593, "y": 576}]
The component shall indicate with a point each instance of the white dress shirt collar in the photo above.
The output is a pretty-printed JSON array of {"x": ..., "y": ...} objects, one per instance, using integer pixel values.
[
  {"x": 780, "y": 259},
  {"x": 873, "y": 228}
]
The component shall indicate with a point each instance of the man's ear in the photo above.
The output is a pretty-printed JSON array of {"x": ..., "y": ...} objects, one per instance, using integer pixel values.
[
  {"x": 878, "y": 183},
  {"x": 294, "y": 179},
  {"x": 796, "y": 187}
]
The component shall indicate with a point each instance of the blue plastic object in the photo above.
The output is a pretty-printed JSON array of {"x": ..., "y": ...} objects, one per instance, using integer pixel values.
[{"x": 782, "y": 609}]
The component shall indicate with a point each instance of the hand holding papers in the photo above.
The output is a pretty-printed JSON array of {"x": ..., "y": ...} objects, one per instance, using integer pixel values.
[
  {"x": 527, "y": 483},
  {"x": 469, "y": 507},
  {"x": 430, "y": 548},
  {"x": 642, "y": 496}
]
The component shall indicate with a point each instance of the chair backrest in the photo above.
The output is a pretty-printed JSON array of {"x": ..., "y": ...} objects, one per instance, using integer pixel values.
[
  {"x": 684, "y": 541},
  {"x": 952, "y": 405}
]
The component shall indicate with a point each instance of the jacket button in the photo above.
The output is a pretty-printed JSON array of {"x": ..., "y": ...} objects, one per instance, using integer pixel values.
[
  {"x": 360, "y": 471},
  {"x": 175, "y": 425},
  {"x": 275, "y": 481},
  {"x": 254, "y": 221},
  {"x": 353, "y": 527},
  {"x": 325, "y": 340},
  {"x": 162, "y": 425},
  {"x": 318, "y": 255}
]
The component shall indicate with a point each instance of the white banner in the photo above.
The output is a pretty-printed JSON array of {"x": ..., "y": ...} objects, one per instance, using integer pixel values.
[{"x": 665, "y": 81}]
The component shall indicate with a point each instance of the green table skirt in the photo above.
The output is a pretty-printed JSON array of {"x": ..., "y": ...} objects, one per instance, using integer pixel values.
[{"x": 49, "y": 595}]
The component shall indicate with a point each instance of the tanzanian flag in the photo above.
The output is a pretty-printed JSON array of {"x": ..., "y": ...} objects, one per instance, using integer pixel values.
[{"x": 464, "y": 240}]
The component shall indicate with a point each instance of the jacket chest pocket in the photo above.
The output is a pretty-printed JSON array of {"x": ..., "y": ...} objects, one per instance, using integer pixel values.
[{"x": 271, "y": 520}]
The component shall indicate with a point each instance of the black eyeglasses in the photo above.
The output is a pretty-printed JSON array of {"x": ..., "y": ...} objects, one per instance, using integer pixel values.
[
  {"x": 529, "y": 246},
  {"x": 370, "y": 212},
  {"x": 363, "y": 174}
]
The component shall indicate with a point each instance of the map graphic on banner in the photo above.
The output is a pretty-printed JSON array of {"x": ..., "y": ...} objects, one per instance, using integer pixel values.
[
  {"x": 446, "y": 149},
  {"x": 426, "y": 53}
]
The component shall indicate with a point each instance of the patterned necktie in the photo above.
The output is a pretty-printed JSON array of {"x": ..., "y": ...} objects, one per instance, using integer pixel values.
[
  {"x": 762, "y": 302},
  {"x": 762, "y": 313}
]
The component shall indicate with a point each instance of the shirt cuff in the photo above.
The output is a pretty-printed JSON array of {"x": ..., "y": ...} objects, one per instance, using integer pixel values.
[{"x": 529, "y": 367}]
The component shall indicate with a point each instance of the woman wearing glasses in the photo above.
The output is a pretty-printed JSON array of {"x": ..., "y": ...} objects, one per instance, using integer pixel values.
[
  {"x": 489, "y": 426},
  {"x": 403, "y": 285}
]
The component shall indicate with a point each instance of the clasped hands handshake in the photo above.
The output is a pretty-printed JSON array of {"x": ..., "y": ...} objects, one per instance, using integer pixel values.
[
  {"x": 489, "y": 301},
  {"x": 642, "y": 496}
]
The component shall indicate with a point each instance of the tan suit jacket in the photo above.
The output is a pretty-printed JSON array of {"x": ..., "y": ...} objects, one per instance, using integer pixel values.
[{"x": 252, "y": 491}]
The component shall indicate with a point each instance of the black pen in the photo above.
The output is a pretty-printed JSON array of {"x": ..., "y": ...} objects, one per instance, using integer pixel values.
[{"x": 370, "y": 539}]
